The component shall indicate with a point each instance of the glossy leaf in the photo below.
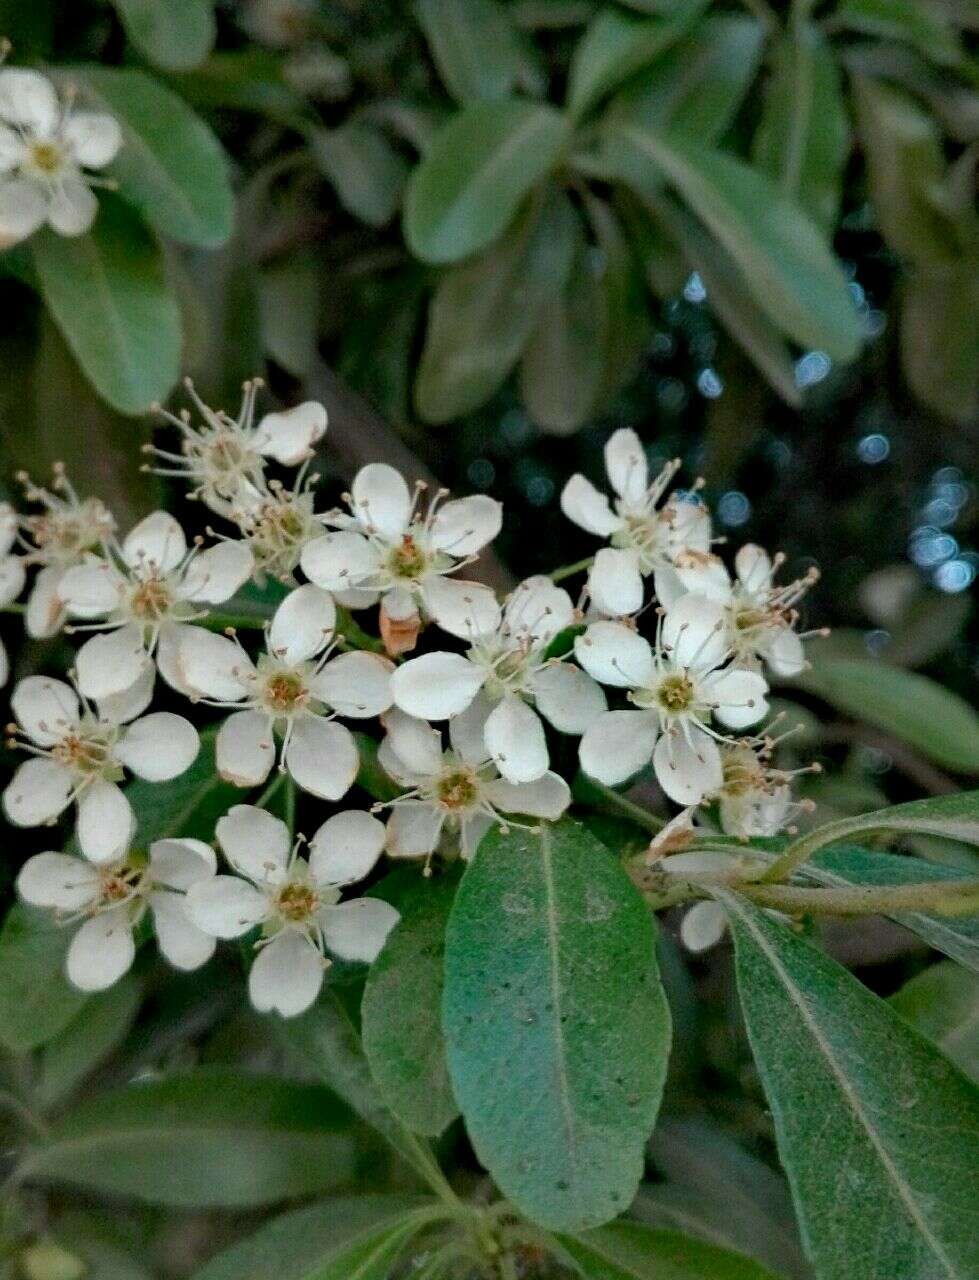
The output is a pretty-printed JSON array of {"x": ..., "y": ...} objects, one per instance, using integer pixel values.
[
  {"x": 479, "y": 54},
  {"x": 943, "y": 1003},
  {"x": 556, "y": 1023},
  {"x": 173, "y": 34},
  {"x": 475, "y": 174},
  {"x": 878, "y": 1133},
  {"x": 634, "y": 1251},
  {"x": 88, "y": 1039},
  {"x": 36, "y": 1000},
  {"x": 365, "y": 170}
]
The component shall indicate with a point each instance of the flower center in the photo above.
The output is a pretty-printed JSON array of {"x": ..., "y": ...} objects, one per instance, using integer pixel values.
[
  {"x": 120, "y": 882},
  {"x": 63, "y": 536},
  {"x": 457, "y": 789},
  {"x": 742, "y": 772},
  {"x": 85, "y": 754},
  {"x": 297, "y": 902},
  {"x": 150, "y": 600},
  {"x": 284, "y": 692},
  {"x": 46, "y": 158},
  {"x": 279, "y": 531},
  {"x": 675, "y": 693},
  {"x": 407, "y": 559}
]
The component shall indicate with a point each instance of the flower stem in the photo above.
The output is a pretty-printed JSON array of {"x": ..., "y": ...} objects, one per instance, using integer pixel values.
[
  {"x": 943, "y": 898},
  {"x": 569, "y": 570},
  {"x": 270, "y": 792},
  {"x": 601, "y": 797}
]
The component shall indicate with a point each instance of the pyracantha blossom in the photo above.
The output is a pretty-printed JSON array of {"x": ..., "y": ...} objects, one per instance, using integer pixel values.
[
  {"x": 457, "y": 793},
  {"x": 755, "y": 799},
  {"x": 280, "y": 524},
  {"x": 112, "y": 899},
  {"x": 505, "y": 679},
  {"x": 223, "y": 458},
  {"x": 58, "y": 538},
  {"x": 705, "y": 923},
  {"x": 386, "y": 549},
  {"x": 145, "y": 595},
  {"x": 679, "y": 690},
  {"x": 12, "y": 574},
  {"x": 296, "y": 902},
  {"x": 45, "y": 150},
  {"x": 81, "y": 753},
  {"x": 296, "y": 687}
]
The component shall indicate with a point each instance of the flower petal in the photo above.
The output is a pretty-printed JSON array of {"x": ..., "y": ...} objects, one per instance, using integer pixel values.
[
  {"x": 345, "y": 847},
  {"x": 179, "y": 863},
  {"x": 467, "y": 731},
  {"x": 303, "y": 624},
  {"x": 340, "y": 561},
  {"x": 255, "y": 842},
  {"x": 515, "y": 738},
  {"x": 45, "y": 709},
  {"x": 157, "y": 540},
  {"x": 703, "y": 926},
  {"x": 703, "y": 575},
  {"x": 616, "y": 655},
  {"x": 91, "y": 589},
  {"x": 27, "y": 98},
  {"x": 72, "y": 206},
  {"x": 101, "y": 951},
  {"x": 381, "y": 500},
  {"x": 214, "y": 575},
  {"x": 537, "y": 610},
  {"x": 58, "y": 881},
  {"x": 784, "y": 653},
  {"x": 417, "y": 746},
  {"x": 436, "y": 685},
  {"x": 589, "y": 508},
  {"x": 463, "y": 609},
  {"x": 753, "y": 566},
  {"x": 245, "y": 750},
  {"x": 355, "y": 684},
  {"x": 286, "y": 975},
  {"x": 38, "y": 792},
  {"x": 13, "y": 575},
  {"x": 413, "y": 829},
  {"x": 94, "y": 137},
  {"x": 625, "y": 462},
  {"x": 214, "y": 666},
  {"x": 694, "y": 632},
  {"x": 546, "y": 797},
  {"x": 288, "y": 437},
  {"x": 615, "y": 583},
  {"x": 23, "y": 208},
  {"x": 567, "y": 697},
  {"x": 159, "y": 746},
  {"x": 688, "y": 773},
  {"x": 464, "y": 526},
  {"x": 46, "y": 610},
  {"x": 111, "y": 663},
  {"x": 105, "y": 822},
  {"x": 322, "y": 757},
  {"x": 180, "y": 940},
  {"x": 357, "y": 930},
  {"x": 119, "y": 708},
  {"x": 473, "y": 830},
  {"x": 617, "y": 745},
  {"x": 225, "y": 906},
  {"x": 738, "y": 696}
]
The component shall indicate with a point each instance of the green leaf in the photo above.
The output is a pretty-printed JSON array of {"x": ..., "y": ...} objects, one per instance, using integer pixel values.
[
  {"x": 249, "y": 79},
  {"x": 625, "y": 314},
  {"x": 211, "y": 1137},
  {"x": 914, "y": 708},
  {"x": 878, "y": 1133},
  {"x": 557, "y": 1026},
  {"x": 36, "y": 999},
  {"x": 87, "y": 1040},
  {"x": 940, "y": 337},
  {"x": 475, "y": 174},
  {"x": 483, "y": 311},
  {"x": 479, "y": 54},
  {"x": 339, "y": 1239},
  {"x": 785, "y": 261},
  {"x": 401, "y": 1013},
  {"x": 920, "y": 23},
  {"x": 942, "y": 1002},
  {"x": 107, "y": 293},
  {"x": 616, "y": 45},
  {"x": 365, "y": 170},
  {"x": 170, "y": 165},
  {"x": 803, "y": 139},
  {"x": 633, "y": 1251},
  {"x": 174, "y": 34},
  {"x": 290, "y": 305}
]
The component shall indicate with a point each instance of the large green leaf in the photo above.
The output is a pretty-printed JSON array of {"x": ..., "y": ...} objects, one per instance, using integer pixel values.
[
  {"x": 36, "y": 999},
  {"x": 87, "y": 1040},
  {"x": 786, "y": 263},
  {"x": 365, "y": 170},
  {"x": 401, "y": 1014},
  {"x": 174, "y": 34},
  {"x": 956, "y": 817},
  {"x": 479, "y": 53},
  {"x": 170, "y": 165},
  {"x": 633, "y": 1251},
  {"x": 206, "y": 1138},
  {"x": 475, "y": 174},
  {"x": 943, "y": 1003},
  {"x": 913, "y": 707},
  {"x": 108, "y": 295},
  {"x": 557, "y": 1025},
  {"x": 878, "y": 1133}
]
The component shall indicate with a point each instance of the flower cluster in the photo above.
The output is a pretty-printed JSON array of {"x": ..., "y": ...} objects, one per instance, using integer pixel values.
[{"x": 469, "y": 729}]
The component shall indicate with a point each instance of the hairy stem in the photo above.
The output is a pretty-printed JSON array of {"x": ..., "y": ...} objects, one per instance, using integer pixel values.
[{"x": 942, "y": 898}]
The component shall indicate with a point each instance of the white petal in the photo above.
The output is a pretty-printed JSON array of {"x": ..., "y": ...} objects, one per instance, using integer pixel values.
[
  {"x": 303, "y": 624},
  {"x": 12, "y": 149},
  {"x": 399, "y": 604},
  {"x": 753, "y": 567},
  {"x": 615, "y": 655},
  {"x": 101, "y": 951},
  {"x": 339, "y": 561},
  {"x": 46, "y": 610},
  {"x": 436, "y": 685},
  {"x": 355, "y": 598},
  {"x": 286, "y": 975},
  {"x": 23, "y": 208},
  {"x": 57, "y": 881},
  {"x": 94, "y": 137},
  {"x": 72, "y": 206},
  {"x": 694, "y": 632},
  {"x": 588, "y": 508},
  {"x": 668, "y": 585},
  {"x": 463, "y": 609},
  {"x": 358, "y": 930},
  {"x": 118, "y": 708},
  {"x": 413, "y": 829},
  {"x": 214, "y": 575},
  {"x": 225, "y": 906},
  {"x": 467, "y": 731},
  {"x": 255, "y": 842},
  {"x": 4, "y": 664},
  {"x": 168, "y": 662},
  {"x": 537, "y": 610},
  {"x": 394, "y": 766},
  {"x": 289, "y": 437},
  {"x": 473, "y": 830},
  {"x": 784, "y": 653},
  {"x": 13, "y": 575},
  {"x": 91, "y": 589},
  {"x": 617, "y": 745},
  {"x": 703, "y": 926},
  {"x": 322, "y": 757},
  {"x": 381, "y": 500},
  {"x": 466, "y": 525},
  {"x": 547, "y": 797},
  {"x": 356, "y": 684},
  {"x": 615, "y": 583},
  {"x": 625, "y": 462},
  {"x": 157, "y": 540},
  {"x": 416, "y": 744},
  {"x": 738, "y": 697},
  {"x": 690, "y": 525},
  {"x": 159, "y": 746},
  {"x": 703, "y": 575},
  {"x": 515, "y": 738},
  {"x": 214, "y": 665},
  {"x": 111, "y": 663},
  {"x": 345, "y": 848},
  {"x": 245, "y": 750},
  {"x": 567, "y": 697},
  {"x": 45, "y": 709},
  {"x": 179, "y": 939},
  {"x": 688, "y": 774},
  {"x": 105, "y": 822},
  {"x": 179, "y": 863},
  {"x": 39, "y": 791},
  {"x": 29, "y": 99}
]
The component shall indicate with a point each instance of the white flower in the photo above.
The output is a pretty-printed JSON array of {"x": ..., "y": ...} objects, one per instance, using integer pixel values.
[
  {"x": 298, "y": 687},
  {"x": 145, "y": 602},
  {"x": 279, "y": 524},
  {"x": 679, "y": 689},
  {"x": 81, "y": 754},
  {"x": 754, "y": 798},
  {"x": 112, "y": 899},
  {"x": 458, "y": 791},
  {"x": 223, "y": 458},
  {"x": 504, "y": 675},
  {"x": 387, "y": 549},
  {"x": 12, "y": 574},
  {"x": 45, "y": 148},
  {"x": 297, "y": 903}
]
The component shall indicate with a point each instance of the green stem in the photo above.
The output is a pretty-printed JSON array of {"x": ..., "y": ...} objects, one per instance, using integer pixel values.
[
  {"x": 607, "y": 799},
  {"x": 569, "y": 570},
  {"x": 271, "y": 790},
  {"x": 233, "y": 622},
  {"x": 13, "y": 608},
  {"x": 959, "y": 898},
  {"x": 354, "y": 635},
  {"x": 290, "y": 805}
]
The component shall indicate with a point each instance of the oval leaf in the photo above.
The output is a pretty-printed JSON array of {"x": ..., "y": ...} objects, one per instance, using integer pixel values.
[
  {"x": 87, "y": 1040},
  {"x": 943, "y": 1003},
  {"x": 174, "y": 34},
  {"x": 557, "y": 1026},
  {"x": 366, "y": 171},
  {"x": 632, "y": 1251},
  {"x": 477, "y": 50},
  {"x": 36, "y": 999}
]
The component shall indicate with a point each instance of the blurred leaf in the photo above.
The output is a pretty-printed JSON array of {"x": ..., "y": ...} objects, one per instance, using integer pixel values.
[
  {"x": 616, "y": 45},
  {"x": 189, "y": 805},
  {"x": 483, "y": 311},
  {"x": 634, "y": 1251},
  {"x": 785, "y": 261},
  {"x": 663, "y": 263},
  {"x": 475, "y": 174},
  {"x": 479, "y": 54},
  {"x": 377, "y": 351},
  {"x": 626, "y": 318},
  {"x": 100, "y": 1249},
  {"x": 912, "y": 707},
  {"x": 170, "y": 165},
  {"x": 942, "y": 1002},
  {"x": 803, "y": 139},
  {"x": 36, "y": 999},
  {"x": 289, "y": 295},
  {"x": 940, "y": 337},
  {"x": 174, "y": 34},
  {"x": 918, "y": 22},
  {"x": 87, "y": 1040},
  {"x": 107, "y": 294},
  {"x": 402, "y": 1011},
  {"x": 557, "y": 1027},
  {"x": 927, "y": 627},
  {"x": 365, "y": 170},
  {"x": 210, "y": 1137},
  {"x": 856, "y": 1092},
  {"x": 248, "y": 79}
]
